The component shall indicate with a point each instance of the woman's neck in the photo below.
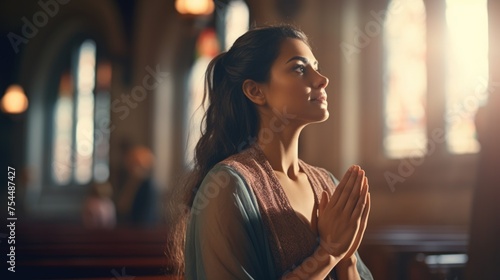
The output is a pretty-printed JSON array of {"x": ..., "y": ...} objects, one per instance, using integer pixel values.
[{"x": 281, "y": 148}]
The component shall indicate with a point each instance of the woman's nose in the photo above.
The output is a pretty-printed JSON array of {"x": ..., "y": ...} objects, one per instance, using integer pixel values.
[{"x": 321, "y": 81}]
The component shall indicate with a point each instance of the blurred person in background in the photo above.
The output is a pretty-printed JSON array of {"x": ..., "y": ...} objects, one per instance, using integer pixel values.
[
  {"x": 137, "y": 198},
  {"x": 98, "y": 207}
]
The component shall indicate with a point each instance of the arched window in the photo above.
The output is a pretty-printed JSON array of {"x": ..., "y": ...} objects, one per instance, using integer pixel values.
[
  {"x": 405, "y": 79},
  {"x": 435, "y": 73},
  {"x": 465, "y": 77},
  {"x": 80, "y": 142}
]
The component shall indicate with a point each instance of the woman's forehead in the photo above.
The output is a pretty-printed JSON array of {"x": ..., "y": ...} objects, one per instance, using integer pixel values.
[{"x": 291, "y": 49}]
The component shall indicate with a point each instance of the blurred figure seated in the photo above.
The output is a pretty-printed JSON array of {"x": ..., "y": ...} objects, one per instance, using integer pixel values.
[
  {"x": 137, "y": 200},
  {"x": 98, "y": 208}
]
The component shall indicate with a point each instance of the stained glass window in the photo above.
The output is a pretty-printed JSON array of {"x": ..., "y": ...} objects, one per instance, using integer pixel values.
[
  {"x": 85, "y": 112},
  {"x": 405, "y": 78},
  {"x": 81, "y": 121}
]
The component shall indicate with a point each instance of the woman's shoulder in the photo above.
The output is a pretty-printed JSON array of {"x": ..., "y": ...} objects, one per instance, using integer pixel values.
[
  {"x": 222, "y": 176},
  {"x": 224, "y": 199},
  {"x": 221, "y": 185},
  {"x": 244, "y": 160}
]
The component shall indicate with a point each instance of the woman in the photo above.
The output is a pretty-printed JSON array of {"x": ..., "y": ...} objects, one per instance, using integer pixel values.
[{"x": 256, "y": 210}]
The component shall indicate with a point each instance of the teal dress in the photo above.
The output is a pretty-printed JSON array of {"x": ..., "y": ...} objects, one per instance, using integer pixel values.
[{"x": 226, "y": 236}]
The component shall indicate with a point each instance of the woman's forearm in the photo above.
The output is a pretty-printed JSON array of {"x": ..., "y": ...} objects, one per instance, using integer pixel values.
[{"x": 317, "y": 266}]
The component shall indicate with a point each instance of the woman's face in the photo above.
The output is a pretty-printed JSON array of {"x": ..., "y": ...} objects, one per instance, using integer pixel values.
[{"x": 296, "y": 90}]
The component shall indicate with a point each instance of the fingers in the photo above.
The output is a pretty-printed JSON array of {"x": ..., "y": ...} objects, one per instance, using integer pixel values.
[
  {"x": 340, "y": 187},
  {"x": 364, "y": 216},
  {"x": 351, "y": 192},
  {"x": 355, "y": 191},
  {"x": 341, "y": 193},
  {"x": 362, "y": 222},
  {"x": 360, "y": 203},
  {"x": 350, "y": 207},
  {"x": 366, "y": 211}
]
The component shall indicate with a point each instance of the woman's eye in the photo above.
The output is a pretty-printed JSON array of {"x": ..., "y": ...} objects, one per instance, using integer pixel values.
[{"x": 300, "y": 68}]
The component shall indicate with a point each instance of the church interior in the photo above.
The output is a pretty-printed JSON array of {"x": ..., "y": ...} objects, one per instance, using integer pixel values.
[{"x": 100, "y": 114}]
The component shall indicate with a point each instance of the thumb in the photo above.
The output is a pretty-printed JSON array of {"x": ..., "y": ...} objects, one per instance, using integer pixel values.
[{"x": 323, "y": 202}]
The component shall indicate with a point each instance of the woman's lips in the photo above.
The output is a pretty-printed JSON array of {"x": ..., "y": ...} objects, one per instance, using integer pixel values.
[{"x": 320, "y": 99}]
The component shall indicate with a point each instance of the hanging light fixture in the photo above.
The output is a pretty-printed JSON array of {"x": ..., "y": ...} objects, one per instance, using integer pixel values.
[
  {"x": 195, "y": 7},
  {"x": 14, "y": 100}
]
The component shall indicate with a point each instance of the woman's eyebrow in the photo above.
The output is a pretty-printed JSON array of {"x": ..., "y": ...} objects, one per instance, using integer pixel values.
[{"x": 301, "y": 58}]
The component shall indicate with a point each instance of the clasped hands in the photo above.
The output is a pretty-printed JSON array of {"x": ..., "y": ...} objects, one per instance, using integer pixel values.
[{"x": 342, "y": 218}]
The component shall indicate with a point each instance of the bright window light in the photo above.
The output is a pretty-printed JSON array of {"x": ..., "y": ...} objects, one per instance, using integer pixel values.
[{"x": 467, "y": 71}]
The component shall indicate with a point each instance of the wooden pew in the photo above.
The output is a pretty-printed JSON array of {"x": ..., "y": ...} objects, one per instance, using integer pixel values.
[
  {"x": 46, "y": 251},
  {"x": 398, "y": 252},
  {"x": 52, "y": 251}
]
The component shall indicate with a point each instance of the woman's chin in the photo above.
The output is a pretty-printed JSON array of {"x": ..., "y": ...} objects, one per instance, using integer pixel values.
[
  {"x": 321, "y": 117},
  {"x": 325, "y": 116}
]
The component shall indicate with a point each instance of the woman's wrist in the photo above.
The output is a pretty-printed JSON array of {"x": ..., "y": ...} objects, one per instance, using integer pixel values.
[
  {"x": 346, "y": 268},
  {"x": 343, "y": 261},
  {"x": 322, "y": 253},
  {"x": 329, "y": 249},
  {"x": 350, "y": 261},
  {"x": 316, "y": 266}
]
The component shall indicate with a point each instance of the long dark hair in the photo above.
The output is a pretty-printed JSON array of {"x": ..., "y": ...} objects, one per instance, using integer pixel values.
[{"x": 231, "y": 121}]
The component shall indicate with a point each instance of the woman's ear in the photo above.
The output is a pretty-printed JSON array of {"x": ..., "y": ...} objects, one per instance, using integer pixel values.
[{"x": 252, "y": 90}]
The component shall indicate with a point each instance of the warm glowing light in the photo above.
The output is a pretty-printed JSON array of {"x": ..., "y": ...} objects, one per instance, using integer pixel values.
[
  {"x": 194, "y": 7},
  {"x": 207, "y": 43},
  {"x": 85, "y": 111},
  {"x": 14, "y": 101},
  {"x": 467, "y": 71}
]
